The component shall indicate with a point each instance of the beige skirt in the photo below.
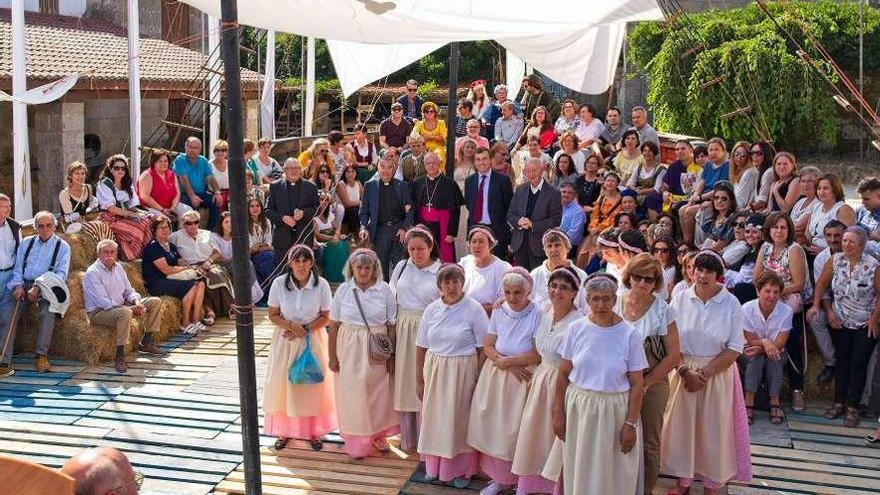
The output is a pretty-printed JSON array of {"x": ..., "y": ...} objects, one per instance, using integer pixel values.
[
  {"x": 536, "y": 435},
  {"x": 449, "y": 387},
  {"x": 591, "y": 456},
  {"x": 363, "y": 388},
  {"x": 405, "y": 398},
  {"x": 698, "y": 434},
  {"x": 496, "y": 412},
  {"x": 282, "y": 397}
]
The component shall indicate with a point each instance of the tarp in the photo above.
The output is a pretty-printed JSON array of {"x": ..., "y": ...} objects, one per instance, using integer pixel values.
[{"x": 574, "y": 42}]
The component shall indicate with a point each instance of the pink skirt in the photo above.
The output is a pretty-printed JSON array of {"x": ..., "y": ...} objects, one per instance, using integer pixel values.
[
  {"x": 131, "y": 234},
  {"x": 306, "y": 428},
  {"x": 463, "y": 465},
  {"x": 441, "y": 217},
  {"x": 534, "y": 483},
  {"x": 499, "y": 470},
  {"x": 359, "y": 446}
]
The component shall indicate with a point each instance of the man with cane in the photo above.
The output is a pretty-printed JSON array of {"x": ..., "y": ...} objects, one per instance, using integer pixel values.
[{"x": 36, "y": 255}]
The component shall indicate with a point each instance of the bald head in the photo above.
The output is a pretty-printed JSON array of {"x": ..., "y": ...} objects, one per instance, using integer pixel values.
[{"x": 101, "y": 471}]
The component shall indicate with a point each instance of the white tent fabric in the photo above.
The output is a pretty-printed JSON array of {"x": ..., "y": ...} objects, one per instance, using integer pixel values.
[
  {"x": 267, "y": 101},
  {"x": 46, "y": 93},
  {"x": 514, "y": 71},
  {"x": 368, "y": 39}
]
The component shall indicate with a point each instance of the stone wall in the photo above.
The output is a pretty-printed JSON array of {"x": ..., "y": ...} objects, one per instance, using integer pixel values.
[
  {"x": 115, "y": 12},
  {"x": 58, "y": 134},
  {"x": 108, "y": 119}
]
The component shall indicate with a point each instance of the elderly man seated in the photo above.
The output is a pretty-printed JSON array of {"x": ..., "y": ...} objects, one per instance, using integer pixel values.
[
  {"x": 111, "y": 301},
  {"x": 35, "y": 257},
  {"x": 101, "y": 471}
]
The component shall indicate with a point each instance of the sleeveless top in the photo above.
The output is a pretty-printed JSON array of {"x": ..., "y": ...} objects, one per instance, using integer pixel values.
[
  {"x": 649, "y": 181},
  {"x": 781, "y": 265},
  {"x": 783, "y": 191},
  {"x": 818, "y": 220},
  {"x": 365, "y": 157},
  {"x": 164, "y": 188}
]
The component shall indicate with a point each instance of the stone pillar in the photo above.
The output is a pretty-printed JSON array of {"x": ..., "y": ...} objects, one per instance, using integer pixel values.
[
  {"x": 252, "y": 119},
  {"x": 58, "y": 138},
  {"x": 322, "y": 119}
]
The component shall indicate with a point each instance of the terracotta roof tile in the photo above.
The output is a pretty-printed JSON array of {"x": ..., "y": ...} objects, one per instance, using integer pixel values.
[{"x": 59, "y": 45}]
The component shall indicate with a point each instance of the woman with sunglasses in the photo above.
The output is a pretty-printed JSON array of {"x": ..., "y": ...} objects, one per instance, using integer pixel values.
[
  {"x": 743, "y": 174},
  {"x": 663, "y": 249},
  {"x": 260, "y": 241},
  {"x": 220, "y": 168},
  {"x": 348, "y": 194},
  {"x": 433, "y": 130},
  {"x": 739, "y": 276},
  {"x": 762, "y": 154},
  {"x": 734, "y": 252},
  {"x": 641, "y": 307},
  {"x": 121, "y": 208},
  {"x": 718, "y": 228}
]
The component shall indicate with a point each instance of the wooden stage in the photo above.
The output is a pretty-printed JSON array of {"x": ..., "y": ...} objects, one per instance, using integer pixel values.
[{"x": 177, "y": 419}]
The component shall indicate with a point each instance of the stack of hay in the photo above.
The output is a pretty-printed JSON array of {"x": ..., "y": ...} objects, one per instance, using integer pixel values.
[{"x": 75, "y": 337}]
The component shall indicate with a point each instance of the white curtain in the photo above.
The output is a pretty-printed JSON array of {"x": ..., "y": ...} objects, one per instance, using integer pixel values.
[{"x": 267, "y": 102}]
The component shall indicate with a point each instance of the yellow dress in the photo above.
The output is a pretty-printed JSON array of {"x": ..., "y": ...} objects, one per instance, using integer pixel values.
[{"x": 430, "y": 137}]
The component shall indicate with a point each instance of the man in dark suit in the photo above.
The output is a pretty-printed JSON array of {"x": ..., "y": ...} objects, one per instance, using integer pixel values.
[
  {"x": 487, "y": 195},
  {"x": 291, "y": 206},
  {"x": 536, "y": 207},
  {"x": 386, "y": 213}
]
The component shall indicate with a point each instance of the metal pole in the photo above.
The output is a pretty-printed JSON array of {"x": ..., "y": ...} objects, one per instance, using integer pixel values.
[
  {"x": 244, "y": 328},
  {"x": 450, "y": 109}
]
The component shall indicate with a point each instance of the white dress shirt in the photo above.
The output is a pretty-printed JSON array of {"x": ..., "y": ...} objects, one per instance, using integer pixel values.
[
  {"x": 767, "y": 328},
  {"x": 710, "y": 328},
  {"x": 483, "y": 284},
  {"x": 453, "y": 330},
  {"x": 414, "y": 287},
  {"x": 7, "y": 246},
  {"x": 301, "y": 305},
  {"x": 377, "y": 301}
]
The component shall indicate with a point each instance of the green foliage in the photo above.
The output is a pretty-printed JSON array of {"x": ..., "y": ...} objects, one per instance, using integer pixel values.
[
  {"x": 426, "y": 87},
  {"x": 791, "y": 102}
]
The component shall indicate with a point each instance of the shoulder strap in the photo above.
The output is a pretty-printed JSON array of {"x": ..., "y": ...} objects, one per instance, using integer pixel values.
[
  {"x": 54, "y": 255},
  {"x": 27, "y": 254},
  {"x": 360, "y": 308},
  {"x": 109, "y": 183}
]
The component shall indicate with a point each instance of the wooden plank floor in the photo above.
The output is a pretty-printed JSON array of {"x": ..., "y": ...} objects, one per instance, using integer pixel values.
[{"x": 177, "y": 418}]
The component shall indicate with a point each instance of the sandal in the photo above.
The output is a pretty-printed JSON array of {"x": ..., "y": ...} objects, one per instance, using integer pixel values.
[
  {"x": 382, "y": 445},
  {"x": 750, "y": 414},
  {"x": 777, "y": 415},
  {"x": 209, "y": 319},
  {"x": 834, "y": 411},
  {"x": 316, "y": 444},
  {"x": 280, "y": 443},
  {"x": 852, "y": 418},
  {"x": 871, "y": 439}
]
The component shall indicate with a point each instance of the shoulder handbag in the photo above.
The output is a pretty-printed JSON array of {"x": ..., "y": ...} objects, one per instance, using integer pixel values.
[{"x": 381, "y": 349}]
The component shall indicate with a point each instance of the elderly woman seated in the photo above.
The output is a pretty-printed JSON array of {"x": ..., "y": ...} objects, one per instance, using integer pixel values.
[
  {"x": 165, "y": 274},
  {"x": 199, "y": 251}
]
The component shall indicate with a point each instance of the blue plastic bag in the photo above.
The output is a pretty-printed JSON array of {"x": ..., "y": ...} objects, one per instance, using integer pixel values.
[{"x": 305, "y": 370}]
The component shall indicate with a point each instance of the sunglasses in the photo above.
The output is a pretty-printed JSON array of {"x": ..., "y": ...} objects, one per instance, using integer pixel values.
[
  {"x": 396, "y": 109},
  {"x": 191, "y": 222},
  {"x": 119, "y": 167},
  {"x": 642, "y": 278},
  {"x": 429, "y": 111},
  {"x": 740, "y": 225},
  {"x": 740, "y": 154},
  {"x": 221, "y": 151}
]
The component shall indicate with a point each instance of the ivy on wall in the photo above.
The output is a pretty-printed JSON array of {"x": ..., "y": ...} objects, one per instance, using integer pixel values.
[{"x": 791, "y": 103}]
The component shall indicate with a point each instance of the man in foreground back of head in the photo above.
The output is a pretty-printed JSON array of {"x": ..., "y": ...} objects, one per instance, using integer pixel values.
[{"x": 103, "y": 471}]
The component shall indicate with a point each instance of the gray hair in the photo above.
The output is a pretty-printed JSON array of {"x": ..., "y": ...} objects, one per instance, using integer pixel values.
[
  {"x": 191, "y": 214},
  {"x": 432, "y": 156},
  {"x": 193, "y": 139},
  {"x": 535, "y": 161},
  {"x": 513, "y": 279},
  {"x": 44, "y": 213},
  {"x": 640, "y": 109},
  {"x": 291, "y": 161},
  {"x": 4, "y": 197},
  {"x": 106, "y": 242},
  {"x": 859, "y": 232},
  {"x": 810, "y": 170},
  {"x": 600, "y": 282},
  {"x": 363, "y": 257}
]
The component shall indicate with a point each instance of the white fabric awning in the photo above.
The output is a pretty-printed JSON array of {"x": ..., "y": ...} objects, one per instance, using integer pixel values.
[{"x": 575, "y": 42}]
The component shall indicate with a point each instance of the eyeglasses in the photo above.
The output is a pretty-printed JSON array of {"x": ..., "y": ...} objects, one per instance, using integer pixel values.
[
  {"x": 661, "y": 250},
  {"x": 119, "y": 167},
  {"x": 720, "y": 198},
  {"x": 45, "y": 225},
  {"x": 642, "y": 278},
  {"x": 191, "y": 222}
]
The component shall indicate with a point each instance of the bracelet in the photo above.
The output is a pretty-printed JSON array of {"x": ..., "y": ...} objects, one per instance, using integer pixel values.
[{"x": 631, "y": 424}]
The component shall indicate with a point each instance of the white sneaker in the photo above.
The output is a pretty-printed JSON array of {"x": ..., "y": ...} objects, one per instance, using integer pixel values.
[{"x": 493, "y": 489}]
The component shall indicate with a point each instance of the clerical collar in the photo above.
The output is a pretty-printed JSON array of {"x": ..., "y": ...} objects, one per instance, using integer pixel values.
[
  {"x": 293, "y": 182},
  {"x": 433, "y": 178}
]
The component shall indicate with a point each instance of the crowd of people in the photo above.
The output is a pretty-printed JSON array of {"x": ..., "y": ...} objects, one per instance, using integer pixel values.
[{"x": 552, "y": 306}]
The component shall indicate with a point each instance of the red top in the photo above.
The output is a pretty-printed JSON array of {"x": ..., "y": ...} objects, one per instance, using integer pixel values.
[{"x": 164, "y": 188}]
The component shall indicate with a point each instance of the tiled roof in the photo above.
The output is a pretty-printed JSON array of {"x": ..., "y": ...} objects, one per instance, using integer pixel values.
[{"x": 58, "y": 46}]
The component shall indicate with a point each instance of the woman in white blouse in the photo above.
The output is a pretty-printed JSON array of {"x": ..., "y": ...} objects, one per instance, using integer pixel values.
[
  {"x": 220, "y": 169},
  {"x": 222, "y": 241},
  {"x": 449, "y": 355},
  {"x": 414, "y": 281},
  {"x": 260, "y": 241},
  {"x": 500, "y": 396},
  {"x": 535, "y": 439},
  {"x": 482, "y": 269},
  {"x": 705, "y": 432},
  {"x": 198, "y": 249},
  {"x": 655, "y": 322},
  {"x": 120, "y": 206},
  {"x": 597, "y": 398},
  {"x": 362, "y": 306},
  {"x": 299, "y": 307},
  {"x": 556, "y": 248}
]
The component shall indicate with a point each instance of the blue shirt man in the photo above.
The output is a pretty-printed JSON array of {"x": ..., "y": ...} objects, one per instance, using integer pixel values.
[
  {"x": 195, "y": 175},
  {"x": 36, "y": 255},
  {"x": 713, "y": 173},
  {"x": 573, "y": 216}
]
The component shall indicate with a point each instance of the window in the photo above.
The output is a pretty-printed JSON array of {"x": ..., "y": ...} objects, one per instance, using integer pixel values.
[{"x": 49, "y": 7}]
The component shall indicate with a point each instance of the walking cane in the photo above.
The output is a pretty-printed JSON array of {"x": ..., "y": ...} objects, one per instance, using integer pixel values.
[{"x": 9, "y": 331}]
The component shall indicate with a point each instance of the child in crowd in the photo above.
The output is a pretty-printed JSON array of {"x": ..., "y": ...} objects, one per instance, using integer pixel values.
[{"x": 766, "y": 326}]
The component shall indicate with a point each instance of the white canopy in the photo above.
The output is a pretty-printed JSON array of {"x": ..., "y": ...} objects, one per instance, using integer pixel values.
[{"x": 574, "y": 42}]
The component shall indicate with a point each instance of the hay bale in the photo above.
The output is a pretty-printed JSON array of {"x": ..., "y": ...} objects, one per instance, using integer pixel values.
[
  {"x": 135, "y": 276},
  {"x": 82, "y": 250}
]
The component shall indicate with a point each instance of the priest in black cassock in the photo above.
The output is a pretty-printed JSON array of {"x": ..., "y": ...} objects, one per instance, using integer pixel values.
[{"x": 438, "y": 200}]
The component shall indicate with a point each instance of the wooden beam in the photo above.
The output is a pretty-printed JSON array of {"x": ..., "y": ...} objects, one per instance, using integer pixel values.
[
  {"x": 693, "y": 51},
  {"x": 183, "y": 126},
  {"x": 713, "y": 82},
  {"x": 199, "y": 98},
  {"x": 741, "y": 111}
]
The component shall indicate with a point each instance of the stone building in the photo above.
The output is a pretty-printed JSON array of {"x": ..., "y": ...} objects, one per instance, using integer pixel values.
[{"x": 91, "y": 122}]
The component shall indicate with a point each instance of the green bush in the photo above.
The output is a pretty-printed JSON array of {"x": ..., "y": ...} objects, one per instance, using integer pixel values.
[{"x": 791, "y": 102}]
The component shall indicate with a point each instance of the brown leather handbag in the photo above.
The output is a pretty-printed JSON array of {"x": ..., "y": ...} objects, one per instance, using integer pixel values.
[{"x": 381, "y": 348}]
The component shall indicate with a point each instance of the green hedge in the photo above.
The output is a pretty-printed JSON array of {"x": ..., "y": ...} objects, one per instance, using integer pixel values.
[{"x": 791, "y": 102}]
